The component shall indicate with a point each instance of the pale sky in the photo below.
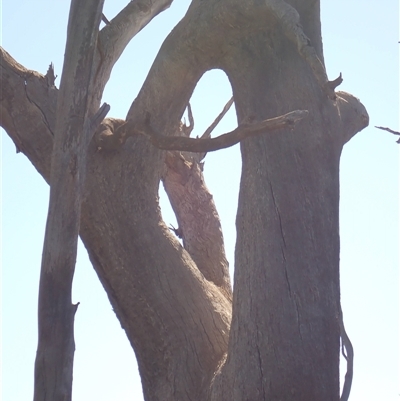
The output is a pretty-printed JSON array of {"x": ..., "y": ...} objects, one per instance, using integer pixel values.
[{"x": 361, "y": 41}]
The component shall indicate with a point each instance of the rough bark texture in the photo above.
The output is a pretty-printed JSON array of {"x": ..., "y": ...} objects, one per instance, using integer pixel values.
[
  {"x": 73, "y": 130},
  {"x": 174, "y": 302}
]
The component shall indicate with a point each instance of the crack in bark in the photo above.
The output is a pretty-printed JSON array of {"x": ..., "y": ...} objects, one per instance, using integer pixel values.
[
  {"x": 261, "y": 371},
  {"x": 205, "y": 332},
  {"x": 46, "y": 122},
  {"x": 278, "y": 214},
  {"x": 298, "y": 318}
]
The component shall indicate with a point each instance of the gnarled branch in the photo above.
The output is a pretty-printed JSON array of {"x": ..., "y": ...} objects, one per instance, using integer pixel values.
[{"x": 221, "y": 142}]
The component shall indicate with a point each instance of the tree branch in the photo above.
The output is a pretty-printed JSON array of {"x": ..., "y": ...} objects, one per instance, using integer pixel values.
[
  {"x": 117, "y": 33},
  {"x": 198, "y": 219},
  {"x": 389, "y": 130},
  {"x": 336, "y": 82},
  {"x": 96, "y": 120},
  {"x": 27, "y": 111},
  {"x": 221, "y": 142},
  {"x": 207, "y": 132},
  {"x": 194, "y": 207}
]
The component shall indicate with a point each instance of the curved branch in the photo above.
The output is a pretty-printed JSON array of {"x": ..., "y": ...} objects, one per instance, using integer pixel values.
[
  {"x": 116, "y": 35},
  {"x": 221, "y": 142}
]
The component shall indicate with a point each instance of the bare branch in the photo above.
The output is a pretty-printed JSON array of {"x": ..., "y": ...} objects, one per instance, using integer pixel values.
[
  {"x": 50, "y": 76},
  {"x": 389, "y": 130},
  {"x": 118, "y": 32},
  {"x": 336, "y": 82},
  {"x": 95, "y": 121},
  {"x": 207, "y": 132},
  {"x": 220, "y": 142},
  {"x": 199, "y": 225},
  {"x": 187, "y": 129},
  {"x": 104, "y": 19}
]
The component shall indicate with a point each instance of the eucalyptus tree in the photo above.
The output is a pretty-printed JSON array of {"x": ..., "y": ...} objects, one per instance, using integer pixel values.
[{"x": 276, "y": 335}]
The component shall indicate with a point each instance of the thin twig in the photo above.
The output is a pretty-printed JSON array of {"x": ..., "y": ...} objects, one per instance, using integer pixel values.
[
  {"x": 389, "y": 130},
  {"x": 207, "y": 132}
]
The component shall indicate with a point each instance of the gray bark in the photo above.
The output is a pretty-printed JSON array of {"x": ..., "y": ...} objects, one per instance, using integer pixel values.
[
  {"x": 284, "y": 339},
  {"x": 72, "y": 133}
]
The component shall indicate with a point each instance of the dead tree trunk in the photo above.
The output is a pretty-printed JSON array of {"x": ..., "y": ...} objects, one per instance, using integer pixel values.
[
  {"x": 284, "y": 339},
  {"x": 75, "y": 123}
]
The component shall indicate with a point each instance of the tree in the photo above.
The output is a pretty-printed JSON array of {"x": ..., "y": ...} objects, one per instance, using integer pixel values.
[{"x": 298, "y": 238}]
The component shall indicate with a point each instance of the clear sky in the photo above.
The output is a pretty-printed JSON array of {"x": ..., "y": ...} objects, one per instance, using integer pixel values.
[{"x": 361, "y": 41}]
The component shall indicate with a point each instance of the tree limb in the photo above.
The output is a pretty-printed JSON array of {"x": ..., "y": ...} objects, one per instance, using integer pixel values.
[
  {"x": 389, "y": 130},
  {"x": 118, "y": 32},
  {"x": 194, "y": 207},
  {"x": 336, "y": 82},
  {"x": 207, "y": 132},
  {"x": 221, "y": 142}
]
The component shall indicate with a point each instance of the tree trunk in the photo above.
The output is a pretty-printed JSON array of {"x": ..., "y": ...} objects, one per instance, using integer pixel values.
[
  {"x": 174, "y": 305},
  {"x": 287, "y": 253},
  {"x": 73, "y": 127}
]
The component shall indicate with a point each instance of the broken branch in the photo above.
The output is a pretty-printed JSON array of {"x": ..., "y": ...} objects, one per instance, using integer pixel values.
[{"x": 335, "y": 83}]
